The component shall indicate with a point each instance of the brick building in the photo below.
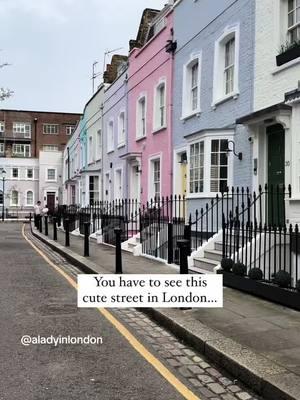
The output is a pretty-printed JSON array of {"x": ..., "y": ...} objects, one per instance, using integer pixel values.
[
  {"x": 24, "y": 133},
  {"x": 31, "y": 148}
]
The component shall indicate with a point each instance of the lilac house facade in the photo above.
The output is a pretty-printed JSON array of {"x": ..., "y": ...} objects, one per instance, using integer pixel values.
[{"x": 114, "y": 128}]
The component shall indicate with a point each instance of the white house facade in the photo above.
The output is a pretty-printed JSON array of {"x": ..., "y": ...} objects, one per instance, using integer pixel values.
[{"x": 275, "y": 123}]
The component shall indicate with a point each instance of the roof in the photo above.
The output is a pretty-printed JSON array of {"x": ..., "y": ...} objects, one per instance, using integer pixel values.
[{"x": 39, "y": 112}]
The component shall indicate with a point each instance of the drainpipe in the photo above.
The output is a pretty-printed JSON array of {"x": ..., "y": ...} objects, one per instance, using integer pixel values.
[
  {"x": 35, "y": 137},
  {"x": 102, "y": 152},
  {"x": 68, "y": 150}
]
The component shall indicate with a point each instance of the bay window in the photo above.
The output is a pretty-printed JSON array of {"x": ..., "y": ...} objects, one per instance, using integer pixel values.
[{"x": 210, "y": 167}]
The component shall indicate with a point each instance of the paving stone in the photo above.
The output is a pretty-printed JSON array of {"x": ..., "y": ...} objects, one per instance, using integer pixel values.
[
  {"x": 206, "y": 393},
  {"x": 195, "y": 382},
  {"x": 234, "y": 388},
  {"x": 164, "y": 354},
  {"x": 184, "y": 371},
  {"x": 197, "y": 359},
  {"x": 204, "y": 365},
  {"x": 184, "y": 360},
  {"x": 195, "y": 369},
  {"x": 176, "y": 352},
  {"x": 213, "y": 372},
  {"x": 216, "y": 388},
  {"x": 173, "y": 362},
  {"x": 243, "y": 396},
  {"x": 225, "y": 381},
  {"x": 189, "y": 352},
  {"x": 228, "y": 397},
  {"x": 205, "y": 378}
]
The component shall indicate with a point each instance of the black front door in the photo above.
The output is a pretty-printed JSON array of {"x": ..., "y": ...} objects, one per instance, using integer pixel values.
[
  {"x": 51, "y": 201},
  {"x": 276, "y": 150}
]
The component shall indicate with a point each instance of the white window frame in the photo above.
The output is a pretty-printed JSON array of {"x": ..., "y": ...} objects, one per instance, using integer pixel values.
[
  {"x": 187, "y": 108},
  {"x": 28, "y": 169},
  {"x": 219, "y": 95},
  {"x": 151, "y": 189},
  {"x": 47, "y": 178},
  {"x": 26, "y": 198},
  {"x": 157, "y": 106},
  {"x": 23, "y": 154},
  {"x": 91, "y": 150},
  {"x": 50, "y": 147},
  {"x": 139, "y": 126},
  {"x": 207, "y": 138},
  {"x": 99, "y": 145},
  {"x": 121, "y": 129},
  {"x": 1, "y": 148},
  {"x": 70, "y": 129},
  {"x": 49, "y": 132},
  {"x": 2, "y": 126},
  {"x": 296, "y": 24},
  {"x": 11, "y": 198},
  {"x": 21, "y": 127},
  {"x": 12, "y": 173},
  {"x": 110, "y": 136}
]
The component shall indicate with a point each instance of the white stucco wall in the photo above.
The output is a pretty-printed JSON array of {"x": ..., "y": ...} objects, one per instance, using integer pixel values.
[
  {"x": 272, "y": 82},
  {"x": 50, "y": 159}
]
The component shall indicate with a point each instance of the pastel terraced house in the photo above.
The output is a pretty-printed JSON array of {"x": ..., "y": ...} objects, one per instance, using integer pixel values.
[{"x": 150, "y": 107}]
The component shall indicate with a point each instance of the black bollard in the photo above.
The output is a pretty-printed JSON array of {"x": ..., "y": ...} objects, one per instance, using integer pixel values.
[
  {"x": 86, "y": 239},
  {"x": 118, "y": 232},
  {"x": 40, "y": 223},
  {"x": 67, "y": 233},
  {"x": 46, "y": 225},
  {"x": 170, "y": 243},
  {"x": 54, "y": 228},
  {"x": 183, "y": 245}
]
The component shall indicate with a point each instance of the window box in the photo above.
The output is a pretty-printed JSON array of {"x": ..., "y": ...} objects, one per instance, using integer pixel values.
[{"x": 288, "y": 55}]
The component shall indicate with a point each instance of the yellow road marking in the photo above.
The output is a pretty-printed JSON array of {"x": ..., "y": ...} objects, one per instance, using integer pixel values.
[{"x": 135, "y": 343}]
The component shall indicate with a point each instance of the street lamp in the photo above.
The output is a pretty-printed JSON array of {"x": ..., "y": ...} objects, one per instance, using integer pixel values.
[{"x": 3, "y": 188}]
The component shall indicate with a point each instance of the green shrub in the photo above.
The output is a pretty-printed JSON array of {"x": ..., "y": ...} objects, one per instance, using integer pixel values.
[
  {"x": 255, "y": 274},
  {"x": 298, "y": 285},
  {"x": 282, "y": 279},
  {"x": 227, "y": 264},
  {"x": 239, "y": 269}
]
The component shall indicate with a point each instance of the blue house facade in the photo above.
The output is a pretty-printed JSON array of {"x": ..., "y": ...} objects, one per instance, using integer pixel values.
[{"x": 213, "y": 86}]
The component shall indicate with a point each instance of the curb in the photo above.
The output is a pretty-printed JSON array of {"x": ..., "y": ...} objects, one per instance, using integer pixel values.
[{"x": 266, "y": 378}]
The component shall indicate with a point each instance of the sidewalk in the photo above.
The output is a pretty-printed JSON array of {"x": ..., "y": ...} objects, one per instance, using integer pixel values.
[{"x": 255, "y": 340}]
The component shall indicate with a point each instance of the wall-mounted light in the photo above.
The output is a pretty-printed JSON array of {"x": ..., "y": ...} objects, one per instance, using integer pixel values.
[
  {"x": 238, "y": 155},
  {"x": 183, "y": 158}
]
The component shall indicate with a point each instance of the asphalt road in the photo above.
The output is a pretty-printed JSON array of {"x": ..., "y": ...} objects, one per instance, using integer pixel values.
[{"x": 36, "y": 300}]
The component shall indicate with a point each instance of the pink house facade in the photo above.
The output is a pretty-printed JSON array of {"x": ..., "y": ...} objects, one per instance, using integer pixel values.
[{"x": 149, "y": 157}]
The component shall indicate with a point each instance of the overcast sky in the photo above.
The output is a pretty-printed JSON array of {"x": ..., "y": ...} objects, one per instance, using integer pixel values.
[{"x": 52, "y": 44}]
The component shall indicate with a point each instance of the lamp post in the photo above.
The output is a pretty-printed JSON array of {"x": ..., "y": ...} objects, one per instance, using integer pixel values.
[{"x": 3, "y": 188}]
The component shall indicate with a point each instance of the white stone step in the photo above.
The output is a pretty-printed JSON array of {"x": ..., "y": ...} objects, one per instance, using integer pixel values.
[
  {"x": 215, "y": 255},
  {"x": 205, "y": 263},
  {"x": 197, "y": 270}
]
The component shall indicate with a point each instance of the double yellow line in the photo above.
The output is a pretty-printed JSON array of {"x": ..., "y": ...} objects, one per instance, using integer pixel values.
[{"x": 135, "y": 343}]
